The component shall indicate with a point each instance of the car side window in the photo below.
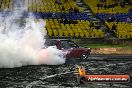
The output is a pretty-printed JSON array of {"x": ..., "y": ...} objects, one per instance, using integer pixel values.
[
  {"x": 65, "y": 45},
  {"x": 72, "y": 44}
]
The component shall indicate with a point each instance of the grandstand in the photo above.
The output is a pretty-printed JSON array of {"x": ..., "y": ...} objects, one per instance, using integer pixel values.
[
  {"x": 114, "y": 12},
  {"x": 98, "y": 19}
]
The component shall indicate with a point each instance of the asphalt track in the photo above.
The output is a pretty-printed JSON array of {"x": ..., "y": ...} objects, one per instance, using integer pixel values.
[{"x": 62, "y": 76}]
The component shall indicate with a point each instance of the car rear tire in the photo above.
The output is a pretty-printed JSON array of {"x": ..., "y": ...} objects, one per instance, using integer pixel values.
[{"x": 84, "y": 56}]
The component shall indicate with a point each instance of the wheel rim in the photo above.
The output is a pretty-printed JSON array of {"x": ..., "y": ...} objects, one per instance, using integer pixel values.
[{"x": 84, "y": 56}]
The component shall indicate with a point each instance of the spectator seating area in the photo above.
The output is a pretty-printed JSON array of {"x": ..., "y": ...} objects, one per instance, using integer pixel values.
[
  {"x": 108, "y": 6},
  {"x": 115, "y": 12},
  {"x": 65, "y": 19},
  {"x": 123, "y": 29},
  {"x": 52, "y": 6},
  {"x": 5, "y": 5},
  {"x": 44, "y": 5},
  {"x": 75, "y": 28}
]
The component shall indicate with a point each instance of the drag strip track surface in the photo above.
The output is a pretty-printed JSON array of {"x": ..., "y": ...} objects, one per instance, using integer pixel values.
[{"x": 62, "y": 75}]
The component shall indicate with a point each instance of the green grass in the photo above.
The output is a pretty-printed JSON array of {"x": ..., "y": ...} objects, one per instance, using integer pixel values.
[{"x": 106, "y": 46}]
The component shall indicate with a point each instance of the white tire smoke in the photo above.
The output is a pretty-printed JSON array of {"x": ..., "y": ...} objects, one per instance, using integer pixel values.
[{"x": 22, "y": 40}]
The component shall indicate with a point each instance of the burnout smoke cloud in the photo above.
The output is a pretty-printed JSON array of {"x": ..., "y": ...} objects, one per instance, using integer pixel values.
[{"x": 22, "y": 40}]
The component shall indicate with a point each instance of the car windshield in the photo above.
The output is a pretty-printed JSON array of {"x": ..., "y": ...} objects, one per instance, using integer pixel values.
[
  {"x": 68, "y": 44},
  {"x": 72, "y": 44}
]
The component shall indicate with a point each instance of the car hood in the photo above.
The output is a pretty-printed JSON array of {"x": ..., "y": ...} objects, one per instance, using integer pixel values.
[
  {"x": 85, "y": 48},
  {"x": 79, "y": 48}
]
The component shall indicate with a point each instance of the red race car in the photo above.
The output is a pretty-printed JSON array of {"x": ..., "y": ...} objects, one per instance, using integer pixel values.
[{"x": 71, "y": 48}]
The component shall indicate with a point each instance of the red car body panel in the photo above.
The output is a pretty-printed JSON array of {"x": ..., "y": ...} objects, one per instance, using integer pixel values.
[{"x": 76, "y": 52}]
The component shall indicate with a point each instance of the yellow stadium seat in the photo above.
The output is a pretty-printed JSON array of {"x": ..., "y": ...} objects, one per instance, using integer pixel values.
[
  {"x": 96, "y": 34},
  {"x": 92, "y": 35},
  {"x": 60, "y": 33},
  {"x": 76, "y": 34},
  {"x": 65, "y": 33},
  {"x": 49, "y": 32},
  {"x": 101, "y": 35},
  {"x": 71, "y": 34},
  {"x": 117, "y": 9},
  {"x": 81, "y": 34},
  {"x": 87, "y": 34},
  {"x": 55, "y": 33},
  {"x": 128, "y": 36}
]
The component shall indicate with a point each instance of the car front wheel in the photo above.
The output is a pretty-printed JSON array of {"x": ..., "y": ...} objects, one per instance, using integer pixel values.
[{"x": 84, "y": 56}]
